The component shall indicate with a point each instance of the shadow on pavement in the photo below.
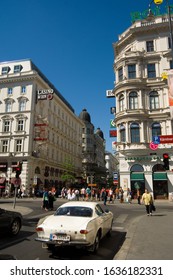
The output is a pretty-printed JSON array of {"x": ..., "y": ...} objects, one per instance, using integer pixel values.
[{"x": 109, "y": 246}]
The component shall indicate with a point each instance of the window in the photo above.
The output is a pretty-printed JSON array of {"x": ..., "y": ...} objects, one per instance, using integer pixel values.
[
  {"x": 18, "y": 145},
  {"x": 134, "y": 131},
  {"x": 122, "y": 133},
  {"x": 22, "y": 105},
  {"x": 4, "y": 146},
  {"x": 156, "y": 129},
  {"x": 5, "y": 70},
  {"x": 120, "y": 74},
  {"x": 23, "y": 89},
  {"x": 150, "y": 46},
  {"x": 10, "y": 91},
  {"x": 20, "y": 125},
  {"x": 132, "y": 71},
  {"x": 121, "y": 102},
  {"x": 151, "y": 70},
  {"x": 8, "y": 105},
  {"x": 171, "y": 64},
  {"x": 154, "y": 100},
  {"x": 17, "y": 68},
  {"x": 133, "y": 100},
  {"x": 6, "y": 126}
]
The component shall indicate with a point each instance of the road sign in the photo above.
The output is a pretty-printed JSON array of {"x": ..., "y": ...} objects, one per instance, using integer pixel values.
[
  {"x": 115, "y": 175},
  {"x": 156, "y": 139},
  {"x": 166, "y": 139},
  {"x": 17, "y": 182}
]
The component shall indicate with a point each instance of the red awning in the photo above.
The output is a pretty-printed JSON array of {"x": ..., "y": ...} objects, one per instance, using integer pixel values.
[{"x": 2, "y": 180}]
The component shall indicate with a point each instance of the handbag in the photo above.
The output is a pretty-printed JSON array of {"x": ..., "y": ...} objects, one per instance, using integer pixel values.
[{"x": 153, "y": 207}]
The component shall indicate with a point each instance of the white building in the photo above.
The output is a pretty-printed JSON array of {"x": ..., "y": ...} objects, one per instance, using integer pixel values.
[
  {"x": 142, "y": 53},
  {"x": 37, "y": 127}
]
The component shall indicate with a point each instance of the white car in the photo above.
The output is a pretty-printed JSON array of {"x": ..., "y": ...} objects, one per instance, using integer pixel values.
[{"x": 75, "y": 223}]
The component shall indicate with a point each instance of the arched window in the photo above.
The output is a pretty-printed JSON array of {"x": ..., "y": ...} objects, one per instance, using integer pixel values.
[
  {"x": 137, "y": 168},
  {"x": 158, "y": 167},
  {"x": 8, "y": 105},
  {"x": 22, "y": 105},
  {"x": 122, "y": 133},
  {"x": 156, "y": 129},
  {"x": 133, "y": 100},
  {"x": 121, "y": 102},
  {"x": 135, "y": 133},
  {"x": 154, "y": 100}
]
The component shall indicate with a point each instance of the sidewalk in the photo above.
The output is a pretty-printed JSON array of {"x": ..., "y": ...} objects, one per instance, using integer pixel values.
[{"x": 150, "y": 237}]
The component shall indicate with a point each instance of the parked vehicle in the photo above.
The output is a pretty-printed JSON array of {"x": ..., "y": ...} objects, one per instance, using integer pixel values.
[
  {"x": 75, "y": 223},
  {"x": 10, "y": 222}
]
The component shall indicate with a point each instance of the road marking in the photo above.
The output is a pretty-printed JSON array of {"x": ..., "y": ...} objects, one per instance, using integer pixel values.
[
  {"x": 117, "y": 228},
  {"x": 121, "y": 218}
]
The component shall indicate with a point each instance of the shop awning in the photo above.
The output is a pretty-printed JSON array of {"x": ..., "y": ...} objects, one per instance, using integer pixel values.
[
  {"x": 137, "y": 176},
  {"x": 160, "y": 176}
]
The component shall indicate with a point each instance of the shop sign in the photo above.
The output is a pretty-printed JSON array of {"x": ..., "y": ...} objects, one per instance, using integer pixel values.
[{"x": 45, "y": 94}]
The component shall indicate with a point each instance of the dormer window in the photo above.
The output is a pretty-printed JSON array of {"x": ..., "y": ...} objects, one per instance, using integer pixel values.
[
  {"x": 5, "y": 70},
  {"x": 17, "y": 68}
]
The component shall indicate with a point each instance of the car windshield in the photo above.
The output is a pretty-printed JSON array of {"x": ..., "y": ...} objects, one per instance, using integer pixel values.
[{"x": 77, "y": 211}]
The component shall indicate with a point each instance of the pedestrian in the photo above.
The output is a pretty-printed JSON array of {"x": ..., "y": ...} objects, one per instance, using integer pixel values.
[
  {"x": 121, "y": 195},
  {"x": 45, "y": 200},
  {"x": 139, "y": 196},
  {"x": 51, "y": 200},
  {"x": 148, "y": 201},
  {"x": 104, "y": 196}
]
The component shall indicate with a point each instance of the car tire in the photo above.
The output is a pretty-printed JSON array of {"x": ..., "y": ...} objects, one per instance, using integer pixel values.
[
  {"x": 94, "y": 248},
  {"x": 50, "y": 247},
  {"x": 110, "y": 230},
  {"x": 15, "y": 227}
]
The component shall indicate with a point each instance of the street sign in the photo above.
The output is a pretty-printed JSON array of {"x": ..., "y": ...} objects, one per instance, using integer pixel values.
[
  {"x": 166, "y": 139},
  {"x": 115, "y": 175},
  {"x": 156, "y": 139}
]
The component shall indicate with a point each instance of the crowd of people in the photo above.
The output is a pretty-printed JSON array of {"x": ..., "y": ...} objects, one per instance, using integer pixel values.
[{"x": 96, "y": 194}]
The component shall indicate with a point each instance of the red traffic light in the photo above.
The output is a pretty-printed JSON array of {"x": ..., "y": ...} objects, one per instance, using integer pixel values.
[{"x": 165, "y": 156}]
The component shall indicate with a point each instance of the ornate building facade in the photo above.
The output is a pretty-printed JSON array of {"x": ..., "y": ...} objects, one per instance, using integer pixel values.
[{"x": 141, "y": 54}]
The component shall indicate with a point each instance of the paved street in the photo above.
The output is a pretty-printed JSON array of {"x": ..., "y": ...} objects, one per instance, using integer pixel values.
[{"x": 138, "y": 236}]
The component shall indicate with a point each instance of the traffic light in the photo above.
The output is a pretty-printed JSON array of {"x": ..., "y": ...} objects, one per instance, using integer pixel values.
[
  {"x": 18, "y": 168},
  {"x": 166, "y": 161}
]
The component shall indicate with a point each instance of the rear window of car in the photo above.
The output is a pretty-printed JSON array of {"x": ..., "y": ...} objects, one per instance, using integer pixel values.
[{"x": 76, "y": 211}]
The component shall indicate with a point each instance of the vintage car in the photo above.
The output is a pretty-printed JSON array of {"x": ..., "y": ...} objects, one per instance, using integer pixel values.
[
  {"x": 75, "y": 223},
  {"x": 10, "y": 222}
]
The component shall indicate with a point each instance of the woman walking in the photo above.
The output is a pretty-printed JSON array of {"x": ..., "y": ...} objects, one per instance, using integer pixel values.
[{"x": 148, "y": 201}]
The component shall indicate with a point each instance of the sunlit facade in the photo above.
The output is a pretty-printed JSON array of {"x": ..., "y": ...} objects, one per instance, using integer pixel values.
[{"x": 141, "y": 54}]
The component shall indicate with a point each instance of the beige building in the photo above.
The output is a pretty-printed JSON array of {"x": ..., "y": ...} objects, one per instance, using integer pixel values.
[
  {"x": 93, "y": 149},
  {"x": 37, "y": 127},
  {"x": 141, "y": 55}
]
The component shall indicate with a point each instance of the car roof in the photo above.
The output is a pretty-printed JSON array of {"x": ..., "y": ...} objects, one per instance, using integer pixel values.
[{"x": 80, "y": 204}]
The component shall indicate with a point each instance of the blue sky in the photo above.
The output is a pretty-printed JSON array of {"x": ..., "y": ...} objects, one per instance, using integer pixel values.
[{"x": 70, "y": 41}]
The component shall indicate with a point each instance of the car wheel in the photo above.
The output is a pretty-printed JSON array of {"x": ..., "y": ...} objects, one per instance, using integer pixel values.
[
  {"x": 110, "y": 230},
  {"x": 93, "y": 248},
  {"x": 15, "y": 227},
  {"x": 50, "y": 247}
]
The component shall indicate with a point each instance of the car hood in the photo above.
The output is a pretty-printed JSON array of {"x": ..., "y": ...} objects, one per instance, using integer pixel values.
[
  {"x": 10, "y": 213},
  {"x": 65, "y": 223}
]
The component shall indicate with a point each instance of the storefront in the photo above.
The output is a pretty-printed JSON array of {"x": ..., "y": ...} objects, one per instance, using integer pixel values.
[
  {"x": 160, "y": 185},
  {"x": 137, "y": 183}
]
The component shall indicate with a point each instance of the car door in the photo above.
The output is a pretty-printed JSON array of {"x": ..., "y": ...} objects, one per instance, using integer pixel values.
[
  {"x": 4, "y": 220},
  {"x": 103, "y": 219}
]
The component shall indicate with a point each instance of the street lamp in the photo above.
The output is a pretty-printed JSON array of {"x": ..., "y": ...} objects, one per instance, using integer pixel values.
[{"x": 151, "y": 16}]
